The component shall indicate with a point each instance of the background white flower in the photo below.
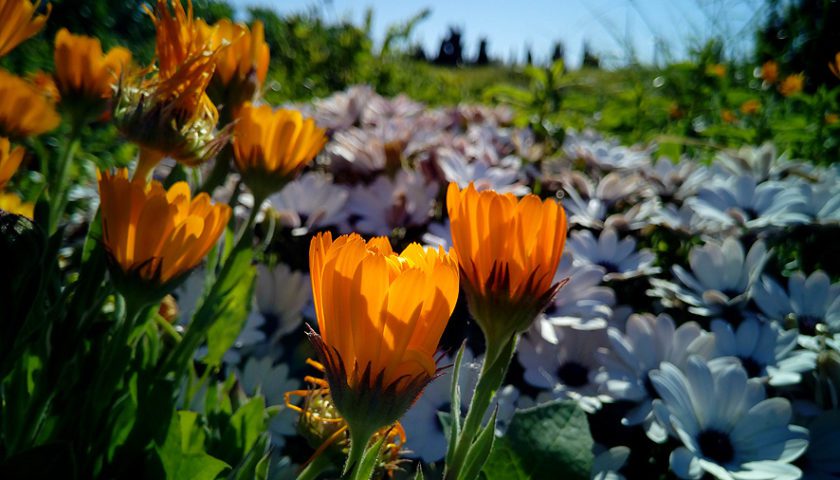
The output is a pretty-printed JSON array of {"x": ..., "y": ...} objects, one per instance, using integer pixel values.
[
  {"x": 310, "y": 202},
  {"x": 809, "y": 300},
  {"x": 281, "y": 295},
  {"x": 618, "y": 257}
]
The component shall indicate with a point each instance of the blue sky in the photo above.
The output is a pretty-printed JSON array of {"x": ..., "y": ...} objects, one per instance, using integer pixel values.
[{"x": 654, "y": 29}]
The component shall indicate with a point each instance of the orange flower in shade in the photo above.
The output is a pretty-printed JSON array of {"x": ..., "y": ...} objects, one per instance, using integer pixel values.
[
  {"x": 10, "y": 159},
  {"x": 18, "y": 22},
  {"x": 241, "y": 60},
  {"x": 380, "y": 317},
  {"x": 84, "y": 75},
  {"x": 750, "y": 107},
  {"x": 153, "y": 236},
  {"x": 716, "y": 70},
  {"x": 13, "y": 204},
  {"x": 792, "y": 84},
  {"x": 727, "y": 116},
  {"x": 24, "y": 110},
  {"x": 271, "y": 146},
  {"x": 835, "y": 65},
  {"x": 170, "y": 113},
  {"x": 508, "y": 251},
  {"x": 770, "y": 72}
]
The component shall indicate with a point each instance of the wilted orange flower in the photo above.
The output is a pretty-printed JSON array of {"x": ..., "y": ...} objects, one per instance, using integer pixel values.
[
  {"x": 380, "y": 317},
  {"x": 792, "y": 84},
  {"x": 11, "y": 203},
  {"x": 18, "y": 22},
  {"x": 153, "y": 235},
  {"x": 508, "y": 251},
  {"x": 10, "y": 159},
  {"x": 770, "y": 71},
  {"x": 24, "y": 110},
  {"x": 271, "y": 146},
  {"x": 84, "y": 75},
  {"x": 727, "y": 116},
  {"x": 716, "y": 70},
  {"x": 170, "y": 113},
  {"x": 750, "y": 107},
  {"x": 835, "y": 65},
  {"x": 241, "y": 60}
]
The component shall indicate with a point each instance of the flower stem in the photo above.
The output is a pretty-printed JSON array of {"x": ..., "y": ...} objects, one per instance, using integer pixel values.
[
  {"x": 359, "y": 439},
  {"x": 58, "y": 186},
  {"x": 146, "y": 164},
  {"x": 498, "y": 358}
]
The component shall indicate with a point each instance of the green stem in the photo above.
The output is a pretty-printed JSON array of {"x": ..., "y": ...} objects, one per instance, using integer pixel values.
[
  {"x": 359, "y": 439},
  {"x": 219, "y": 173},
  {"x": 58, "y": 185},
  {"x": 317, "y": 466},
  {"x": 497, "y": 359}
]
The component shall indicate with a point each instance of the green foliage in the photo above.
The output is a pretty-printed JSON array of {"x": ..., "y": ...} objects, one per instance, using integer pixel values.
[
  {"x": 182, "y": 454},
  {"x": 545, "y": 442}
]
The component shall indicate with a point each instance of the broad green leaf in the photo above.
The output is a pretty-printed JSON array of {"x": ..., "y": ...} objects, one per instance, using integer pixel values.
[
  {"x": 548, "y": 441},
  {"x": 178, "y": 463}
]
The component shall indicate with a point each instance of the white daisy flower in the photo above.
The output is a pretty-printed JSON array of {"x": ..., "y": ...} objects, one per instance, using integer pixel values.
[
  {"x": 281, "y": 295},
  {"x": 675, "y": 181},
  {"x": 608, "y": 464},
  {"x": 647, "y": 343},
  {"x": 502, "y": 179},
  {"x": 719, "y": 281},
  {"x": 618, "y": 257},
  {"x": 808, "y": 301},
  {"x": 567, "y": 369},
  {"x": 310, "y": 203},
  {"x": 762, "y": 162},
  {"x": 740, "y": 201},
  {"x": 589, "y": 205},
  {"x": 726, "y": 425},
  {"x": 583, "y": 303},
  {"x": 438, "y": 234},
  {"x": 379, "y": 109},
  {"x": 271, "y": 381},
  {"x": 342, "y": 110},
  {"x": 386, "y": 204},
  {"x": 764, "y": 350},
  {"x": 822, "y": 201},
  {"x": 603, "y": 154}
]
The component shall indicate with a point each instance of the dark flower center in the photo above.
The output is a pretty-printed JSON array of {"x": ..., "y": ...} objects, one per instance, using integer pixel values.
[
  {"x": 752, "y": 367},
  {"x": 716, "y": 446},
  {"x": 610, "y": 267},
  {"x": 573, "y": 374},
  {"x": 808, "y": 324}
]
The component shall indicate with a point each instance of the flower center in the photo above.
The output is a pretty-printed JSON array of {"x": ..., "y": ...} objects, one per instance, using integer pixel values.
[
  {"x": 573, "y": 374},
  {"x": 808, "y": 324},
  {"x": 752, "y": 367},
  {"x": 716, "y": 446},
  {"x": 610, "y": 267}
]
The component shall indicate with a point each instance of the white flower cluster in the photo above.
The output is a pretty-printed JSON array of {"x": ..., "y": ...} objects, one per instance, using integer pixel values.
[{"x": 685, "y": 310}]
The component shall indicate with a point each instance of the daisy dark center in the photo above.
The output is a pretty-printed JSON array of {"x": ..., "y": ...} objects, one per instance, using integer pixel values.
[
  {"x": 808, "y": 324},
  {"x": 573, "y": 374},
  {"x": 716, "y": 446},
  {"x": 752, "y": 367},
  {"x": 610, "y": 267}
]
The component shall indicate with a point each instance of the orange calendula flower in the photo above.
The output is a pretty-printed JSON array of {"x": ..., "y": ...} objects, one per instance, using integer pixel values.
[
  {"x": 835, "y": 65},
  {"x": 380, "y": 317},
  {"x": 727, "y": 116},
  {"x": 18, "y": 22},
  {"x": 170, "y": 113},
  {"x": 241, "y": 60},
  {"x": 271, "y": 146},
  {"x": 24, "y": 110},
  {"x": 750, "y": 107},
  {"x": 153, "y": 236},
  {"x": 10, "y": 159},
  {"x": 508, "y": 251},
  {"x": 716, "y": 70},
  {"x": 84, "y": 76},
  {"x": 770, "y": 71},
  {"x": 12, "y": 203},
  {"x": 792, "y": 84}
]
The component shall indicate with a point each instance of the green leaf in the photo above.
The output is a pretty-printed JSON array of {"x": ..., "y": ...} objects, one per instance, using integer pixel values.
[
  {"x": 548, "y": 441},
  {"x": 246, "y": 426},
  {"x": 455, "y": 403},
  {"x": 180, "y": 463},
  {"x": 418, "y": 475},
  {"x": 480, "y": 449}
]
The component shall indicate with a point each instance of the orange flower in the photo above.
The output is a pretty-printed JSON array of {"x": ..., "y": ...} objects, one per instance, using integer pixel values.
[
  {"x": 831, "y": 118},
  {"x": 10, "y": 159},
  {"x": 727, "y": 116},
  {"x": 154, "y": 236},
  {"x": 24, "y": 111},
  {"x": 170, "y": 113},
  {"x": 508, "y": 251},
  {"x": 792, "y": 84},
  {"x": 13, "y": 204},
  {"x": 83, "y": 74},
  {"x": 835, "y": 65},
  {"x": 241, "y": 60},
  {"x": 716, "y": 70},
  {"x": 750, "y": 107},
  {"x": 380, "y": 317},
  {"x": 19, "y": 22},
  {"x": 770, "y": 72},
  {"x": 271, "y": 146}
]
